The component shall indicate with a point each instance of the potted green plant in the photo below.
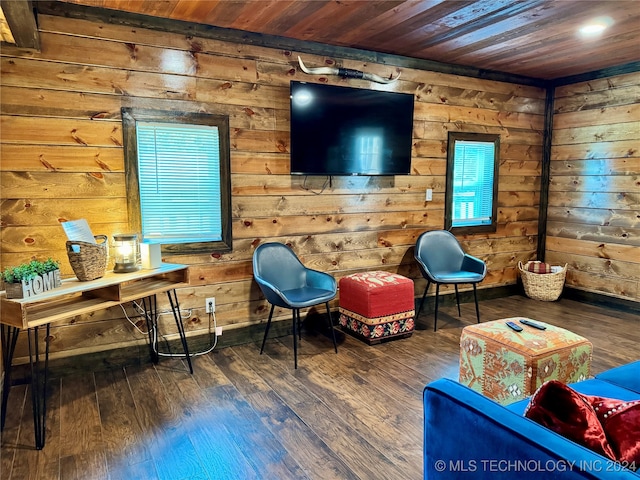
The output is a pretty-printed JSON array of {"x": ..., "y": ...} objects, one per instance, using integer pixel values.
[{"x": 32, "y": 278}]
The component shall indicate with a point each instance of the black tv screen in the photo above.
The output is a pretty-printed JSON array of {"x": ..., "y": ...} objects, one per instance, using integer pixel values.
[{"x": 350, "y": 131}]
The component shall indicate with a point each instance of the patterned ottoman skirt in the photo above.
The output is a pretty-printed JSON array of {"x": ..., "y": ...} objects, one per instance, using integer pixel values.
[
  {"x": 508, "y": 366},
  {"x": 376, "y": 306}
]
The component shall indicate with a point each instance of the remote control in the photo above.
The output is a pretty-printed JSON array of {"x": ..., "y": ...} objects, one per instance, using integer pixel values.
[
  {"x": 513, "y": 326},
  {"x": 532, "y": 324}
]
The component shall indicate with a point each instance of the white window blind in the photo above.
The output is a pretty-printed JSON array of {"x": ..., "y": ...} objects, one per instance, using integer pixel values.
[
  {"x": 473, "y": 183},
  {"x": 179, "y": 181}
]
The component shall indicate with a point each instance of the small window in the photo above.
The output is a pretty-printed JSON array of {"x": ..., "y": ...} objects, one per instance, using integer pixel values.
[
  {"x": 178, "y": 186},
  {"x": 472, "y": 182}
]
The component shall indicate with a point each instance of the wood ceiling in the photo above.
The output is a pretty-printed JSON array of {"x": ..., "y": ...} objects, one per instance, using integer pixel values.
[{"x": 532, "y": 38}]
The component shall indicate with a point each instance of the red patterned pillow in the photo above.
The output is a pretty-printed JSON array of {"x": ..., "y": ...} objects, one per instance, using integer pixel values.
[
  {"x": 568, "y": 413},
  {"x": 539, "y": 267},
  {"x": 607, "y": 426},
  {"x": 621, "y": 423}
]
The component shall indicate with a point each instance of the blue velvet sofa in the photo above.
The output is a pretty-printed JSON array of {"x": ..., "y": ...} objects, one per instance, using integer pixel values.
[{"x": 469, "y": 436}]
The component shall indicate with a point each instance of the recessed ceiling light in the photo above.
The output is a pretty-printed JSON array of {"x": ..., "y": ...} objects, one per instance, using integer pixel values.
[{"x": 596, "y": 26}]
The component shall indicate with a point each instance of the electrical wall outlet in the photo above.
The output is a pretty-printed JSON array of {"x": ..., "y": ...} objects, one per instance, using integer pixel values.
[
  {"x": 429, "y": 195},
  {"x": 218, "y": 331},
  {"x": 210, "y": 305}
]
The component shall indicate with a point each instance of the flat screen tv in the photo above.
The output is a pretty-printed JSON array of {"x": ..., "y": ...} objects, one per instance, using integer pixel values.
[{"x": 350, "y": 131}]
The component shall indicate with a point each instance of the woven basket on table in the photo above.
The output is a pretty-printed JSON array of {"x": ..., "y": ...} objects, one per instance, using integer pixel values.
[
  {"x": 88, "y": 260},
  {"x": 542, "y": 286}
]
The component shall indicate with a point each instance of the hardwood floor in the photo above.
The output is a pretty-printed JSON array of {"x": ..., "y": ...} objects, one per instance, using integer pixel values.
[{"x": 241, "y": 415}]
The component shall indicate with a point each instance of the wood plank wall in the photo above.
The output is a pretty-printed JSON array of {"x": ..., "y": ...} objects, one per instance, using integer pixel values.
[
  {"x": 593, "y": 221},
  {"x": 62, "y": 159}
]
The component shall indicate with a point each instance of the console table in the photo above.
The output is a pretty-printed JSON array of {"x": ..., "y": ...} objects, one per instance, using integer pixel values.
[{"x": 77, "y": 298}]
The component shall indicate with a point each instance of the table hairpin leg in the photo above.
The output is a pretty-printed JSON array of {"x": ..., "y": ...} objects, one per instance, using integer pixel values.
[
  {"x": 39, "y": 376},
  {"x": 149, "y": 305},
  {"x": 175, "y": 308},
  {"x": 9, "y": 339},
  {"x": 150, "y": 311},
  {"x": 39, "y": 379}
]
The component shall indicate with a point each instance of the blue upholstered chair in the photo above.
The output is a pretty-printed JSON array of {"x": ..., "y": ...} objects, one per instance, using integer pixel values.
[
  {"x": 442, "y": 261},
  {"x": 287, "y": 283}
]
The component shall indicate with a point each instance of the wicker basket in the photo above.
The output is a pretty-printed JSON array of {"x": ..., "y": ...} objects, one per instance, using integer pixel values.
[
  {"x": 88, "y": 260},
  {"x": 542, "y": 286}
]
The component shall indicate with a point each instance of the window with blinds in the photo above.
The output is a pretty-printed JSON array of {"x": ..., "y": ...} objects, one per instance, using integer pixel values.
[
  {"x": 178, "y": 182},
  {"x": 472, "y": 169}
]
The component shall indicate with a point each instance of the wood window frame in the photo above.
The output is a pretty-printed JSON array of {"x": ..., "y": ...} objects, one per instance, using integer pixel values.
[
  {"x": 448, "y": 216},
  {"x": 130, "y": 116}
]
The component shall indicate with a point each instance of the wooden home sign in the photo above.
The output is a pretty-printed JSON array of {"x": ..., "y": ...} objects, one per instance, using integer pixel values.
[{"x": 34, "y": 286}]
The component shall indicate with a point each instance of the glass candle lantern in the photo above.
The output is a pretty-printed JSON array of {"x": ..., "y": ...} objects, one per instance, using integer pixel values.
[{"x": 127, "y": 253}]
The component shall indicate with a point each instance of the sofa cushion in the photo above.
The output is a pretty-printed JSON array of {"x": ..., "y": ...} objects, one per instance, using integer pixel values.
[
  {"x": 627, "y": 376},
  {"x": 608, "y": 426}
]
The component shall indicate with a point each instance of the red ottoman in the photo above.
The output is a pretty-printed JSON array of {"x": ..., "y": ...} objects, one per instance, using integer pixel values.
[{"x": 376, "y": 306}]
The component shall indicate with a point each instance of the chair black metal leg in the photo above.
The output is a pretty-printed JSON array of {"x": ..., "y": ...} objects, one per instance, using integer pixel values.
[
  {"x": 266, "y": 330},
  {"x": 299, "y": 326},
  {"x": 296, "y": 319},
  {"x": 175, "y": 308},
  {"x": 475, "y": 297},
  {"x": 423, "y": 297},
  {"x": 457, "y": 298},
  {"x": 435, "y": 319},
  {"x": 333, "y": 331},
  {"x": 9, "y": 339}
]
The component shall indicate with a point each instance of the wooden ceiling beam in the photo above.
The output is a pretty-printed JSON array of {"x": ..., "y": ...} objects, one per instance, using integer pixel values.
[{"x": 21, "y": 19}]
